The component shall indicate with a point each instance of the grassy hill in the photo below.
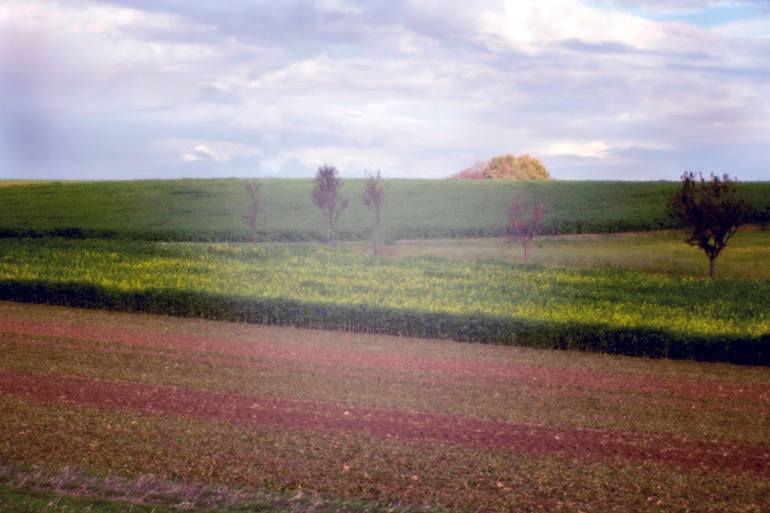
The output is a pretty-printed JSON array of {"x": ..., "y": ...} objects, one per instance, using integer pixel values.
[{"x": 211, "y": 210}]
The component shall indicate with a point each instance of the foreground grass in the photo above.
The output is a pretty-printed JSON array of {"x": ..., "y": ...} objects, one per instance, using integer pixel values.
[
  {"x": 103, "y": 450},
  {"x": 21, "y": 501},
  {"x": 18, "y": 501},
  {"x": 604, "y": 310},
  {"x": 37, "y": 489},
  {"x": 211, "y": 210},
  {"x": 747, "y": 256}
]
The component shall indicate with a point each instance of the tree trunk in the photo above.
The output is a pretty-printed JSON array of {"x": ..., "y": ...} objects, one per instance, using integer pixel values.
[
  {"x": 374, "y": 241},
  {"x": 712, "y": 267},
  {"x": 526, "y": 253},
  {"x": 376, "y": 230}
]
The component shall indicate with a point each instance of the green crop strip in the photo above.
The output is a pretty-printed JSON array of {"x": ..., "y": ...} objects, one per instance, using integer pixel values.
[
  {"x": 614, "y": 311},
  {"x": 211, "y": 210}
]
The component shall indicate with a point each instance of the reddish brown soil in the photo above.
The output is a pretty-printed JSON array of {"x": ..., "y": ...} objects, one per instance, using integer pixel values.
[
  {"x": 394, "y": 362},
  {"x": 335, "y": 372},
  {"x": 297, "y": 414}
]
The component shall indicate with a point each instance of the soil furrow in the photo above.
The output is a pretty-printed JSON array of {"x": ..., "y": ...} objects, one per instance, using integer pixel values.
[
  {"x": 309, "y": 415},
  {"x": 468, "y": 369}
]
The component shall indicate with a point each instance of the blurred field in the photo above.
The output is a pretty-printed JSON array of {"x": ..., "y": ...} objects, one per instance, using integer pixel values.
[
  {"x": 16, "y": 183},
  {"x": 108, "y": 410},
  {"x": 211, "y": 210},
  {"x": 747, "y": 255}
]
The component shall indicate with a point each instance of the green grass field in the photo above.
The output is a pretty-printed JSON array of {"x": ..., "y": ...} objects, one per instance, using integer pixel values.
[
  {"x": 747, "y": 255},
  {"x": 621, "y": 310},
  {"x": 211, "y": 210}
]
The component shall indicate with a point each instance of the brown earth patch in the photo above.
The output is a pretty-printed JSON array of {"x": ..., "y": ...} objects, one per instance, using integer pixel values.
[
  {"x": 381, "y": 423},
  {"x": 467, "y": 369}
]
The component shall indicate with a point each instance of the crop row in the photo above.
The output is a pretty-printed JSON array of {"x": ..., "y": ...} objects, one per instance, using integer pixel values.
[
  {"x": 239, "y": 234},
  {"x": 612, "y": 311}
]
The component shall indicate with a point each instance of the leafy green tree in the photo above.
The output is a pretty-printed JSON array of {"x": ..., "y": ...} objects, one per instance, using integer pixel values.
[
  {"x": 327, "y": 197},
  {"x": 711, "y": 210}
]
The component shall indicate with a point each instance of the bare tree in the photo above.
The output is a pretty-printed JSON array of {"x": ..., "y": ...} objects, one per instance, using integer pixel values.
[
  {"x": 374, "y": 197},
  {"x": 327, "y": 197},
  {"x": 522, "y": 229},
  {"x": 254, "y": 208},
  {"x": 712, "y": 211}
]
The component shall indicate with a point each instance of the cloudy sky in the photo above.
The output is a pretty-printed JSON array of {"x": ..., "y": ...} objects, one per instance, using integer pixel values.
[{"x": 626, "y": 89}]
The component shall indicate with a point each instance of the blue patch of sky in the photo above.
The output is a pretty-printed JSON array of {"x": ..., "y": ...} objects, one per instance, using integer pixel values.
[
  {"x": 711, "y": 15},
  {"x": 716, "y": 15}
]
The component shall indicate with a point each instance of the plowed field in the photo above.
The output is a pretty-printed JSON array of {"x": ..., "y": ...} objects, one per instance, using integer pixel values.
[{"x": 383, "y": 420}]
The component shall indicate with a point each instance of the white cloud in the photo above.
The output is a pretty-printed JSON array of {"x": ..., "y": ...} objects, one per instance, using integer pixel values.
[
  {"x": 532, "y": 25},
  {"x": 589, "y": 149},
  {"x": 753, "y": 28},
  {"x": 217, "y": 151},
  {"x": 200, "y": 152},
  {"x": 415, "y": 88}
]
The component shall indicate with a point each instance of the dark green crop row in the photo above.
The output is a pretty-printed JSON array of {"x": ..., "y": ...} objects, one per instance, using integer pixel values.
[
  {"x": 637, "y": 341},
  {"x": 212, "y": 210},
  {"x": 622, "y": 312}
]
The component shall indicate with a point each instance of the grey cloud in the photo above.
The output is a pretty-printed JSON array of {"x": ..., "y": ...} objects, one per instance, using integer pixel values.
[
  {"x": 726, "y": 72},
  {"x": 607, "y": 47},
  {"x": 213, "y": 94},
  {"x": 669, "y": 5},
  {"x": 304, "y": 24},
  {"x": 264, "y": 21}
]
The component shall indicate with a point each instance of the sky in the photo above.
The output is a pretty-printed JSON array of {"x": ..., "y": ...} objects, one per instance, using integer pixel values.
[{"x": 601, "y": 89}]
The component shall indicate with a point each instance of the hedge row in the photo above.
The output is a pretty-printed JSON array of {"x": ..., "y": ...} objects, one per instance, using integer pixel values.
[
  {"x": 300, "y": 235},
  {"x": 372, "y": 319},
  {"x": 169, "y": 236},
  {"x": 412, "y": 232}
]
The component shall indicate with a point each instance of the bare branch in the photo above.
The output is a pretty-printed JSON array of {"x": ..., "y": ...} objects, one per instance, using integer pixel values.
[
  {"x": 327, "y": 197},
  {"x": 374, "y": 197},
  {"x": 521, "y": 228}
]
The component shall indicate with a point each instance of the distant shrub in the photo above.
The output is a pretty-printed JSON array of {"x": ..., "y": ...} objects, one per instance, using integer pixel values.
[
  {"x": 523, "y": 167},
  {"x": 475, "y": 172},
  {"x": 509, "y": 167}
]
